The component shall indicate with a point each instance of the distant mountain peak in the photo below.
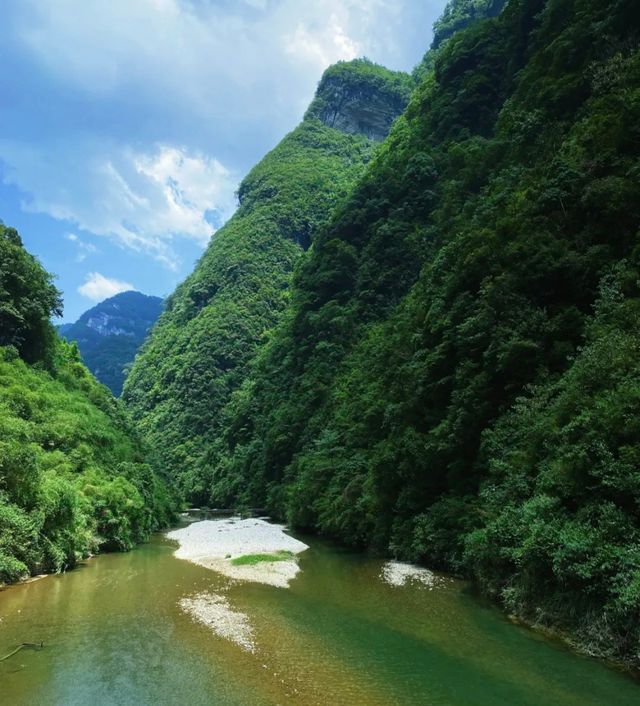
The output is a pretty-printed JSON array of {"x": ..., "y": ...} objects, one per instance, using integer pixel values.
[
  {"x": 122, "y": 315},
  {"x": 110, "y": 333}
]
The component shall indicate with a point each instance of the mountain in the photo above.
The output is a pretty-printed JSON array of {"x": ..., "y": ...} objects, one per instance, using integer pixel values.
[
  {"x": 73, "y": 480},
  {"x": 204, "y": 343},
  {"x": 109, "y": 334},
  {"x": 452, "y": 376},
  {"x": 455, "y": 382},
  {"x": 460, "y": 14}
]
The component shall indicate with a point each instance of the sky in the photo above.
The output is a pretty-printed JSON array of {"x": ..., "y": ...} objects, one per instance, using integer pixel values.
[{"x": 127, "y": 125}]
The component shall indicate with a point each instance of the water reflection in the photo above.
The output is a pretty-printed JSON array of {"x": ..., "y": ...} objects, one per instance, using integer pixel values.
[{"x": 114, "y": 634}]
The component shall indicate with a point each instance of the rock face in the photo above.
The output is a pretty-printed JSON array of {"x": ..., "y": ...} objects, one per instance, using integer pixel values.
[
  {"x": 355, "y": 98},
  {"x": 109, "y": 334}
]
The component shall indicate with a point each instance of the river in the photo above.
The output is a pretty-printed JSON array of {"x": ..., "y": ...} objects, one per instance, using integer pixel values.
[{"x": 114, "y": 633}]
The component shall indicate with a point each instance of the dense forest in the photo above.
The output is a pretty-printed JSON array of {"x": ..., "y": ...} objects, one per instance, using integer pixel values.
[
  {"x": 109, "y": 334},
  {"x": 460, "y": 14},
  {"x": 452, "y": 374},
  {"x": 73, "y": 480}
]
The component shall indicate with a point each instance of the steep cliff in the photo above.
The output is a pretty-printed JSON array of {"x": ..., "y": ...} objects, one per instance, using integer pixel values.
[
  {"x": 359, "y": 99},
  {"x": 456, "y": 379},
  {"x": 204, "y": 342}
]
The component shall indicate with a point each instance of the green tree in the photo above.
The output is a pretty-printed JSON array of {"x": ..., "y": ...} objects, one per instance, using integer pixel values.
[{"x": 28, "y": 299}]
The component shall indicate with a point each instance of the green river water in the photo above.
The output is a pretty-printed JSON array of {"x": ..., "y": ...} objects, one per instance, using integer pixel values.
[{"x": 114, "y": 634}]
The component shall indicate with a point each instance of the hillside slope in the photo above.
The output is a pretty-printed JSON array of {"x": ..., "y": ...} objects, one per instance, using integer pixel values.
[
  {"x": 215, "y": 321},
  {"x": 456, "y": 380},
  {"x": 73, "y": 480},
  {"x": 110, "y": 334}
]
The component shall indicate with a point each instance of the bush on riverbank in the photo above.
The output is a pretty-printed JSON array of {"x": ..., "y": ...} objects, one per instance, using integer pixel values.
[
  {"x": 72, "y": 475},
  {"x": 72, "y": 479}
]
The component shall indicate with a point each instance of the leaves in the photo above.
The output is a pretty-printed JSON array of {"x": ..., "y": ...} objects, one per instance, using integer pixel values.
[{"x": 72, "y": 477}]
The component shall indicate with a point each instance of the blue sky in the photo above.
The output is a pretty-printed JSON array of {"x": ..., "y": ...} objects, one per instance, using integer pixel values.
[{"x": 126, "y": 125}]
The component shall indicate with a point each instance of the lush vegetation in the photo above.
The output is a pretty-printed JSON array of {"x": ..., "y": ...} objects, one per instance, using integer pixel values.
[
  {"x": 459, "y": 14},
  {"x": 199, "y": 352},
  {"x": 253, "y": 559},
  {"x": 109, "y": 334},
  {"x": 28, "y": 298},
  {"x": 72, "y": 476},
  {"x": 559, "y": 539},
  {"x": 456, "y": 378}
]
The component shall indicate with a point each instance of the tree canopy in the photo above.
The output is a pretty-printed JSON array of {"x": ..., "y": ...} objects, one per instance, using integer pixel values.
[
  {"x": 73, "y": 476},
  {"x": 28, "y": 300}
]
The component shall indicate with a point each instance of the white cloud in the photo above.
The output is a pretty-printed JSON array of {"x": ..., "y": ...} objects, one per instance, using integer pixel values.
[
  {"x": 322, "y": 47},
  {"x": 84, "y": 249},
  {"x": 146, "y": 112},
  {"x": 98, "y": 287},
  {"x": 143, "y": 200},
  {"x": 191, "y": 185},
  {"x": 257, "y": 4},
  {"x": 181, "y": 56}
]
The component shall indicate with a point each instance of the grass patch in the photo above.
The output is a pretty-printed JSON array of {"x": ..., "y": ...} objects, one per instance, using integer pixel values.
[{"x": 252, "y": 559}]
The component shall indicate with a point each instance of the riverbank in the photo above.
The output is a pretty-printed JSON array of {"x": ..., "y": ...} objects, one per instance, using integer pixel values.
[{"x": 28, "y": 579}]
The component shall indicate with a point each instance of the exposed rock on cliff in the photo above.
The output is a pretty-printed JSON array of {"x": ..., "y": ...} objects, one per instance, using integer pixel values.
[{"x": 357, "y": 98}]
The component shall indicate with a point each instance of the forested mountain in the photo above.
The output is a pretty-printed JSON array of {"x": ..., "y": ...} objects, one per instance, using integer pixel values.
[
  {"x": 215, "y": 321},
  {"x": 72, "y": 474},
  {"x": 110, "y": 334},
  {"x": 459, "y": 14},
  {"x": 456, "y": 379}
]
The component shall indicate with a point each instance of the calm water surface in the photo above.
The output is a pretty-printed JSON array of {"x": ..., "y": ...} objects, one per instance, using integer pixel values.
[{"x": 114, "y": 634}]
